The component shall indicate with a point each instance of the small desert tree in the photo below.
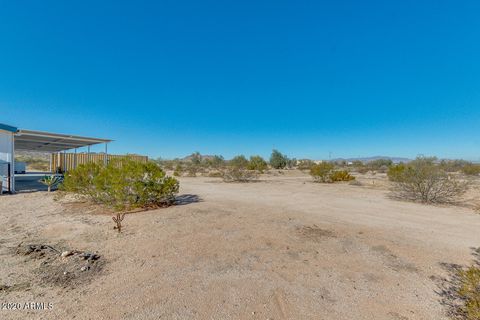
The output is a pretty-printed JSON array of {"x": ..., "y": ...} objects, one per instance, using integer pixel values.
[
  {"x": 422, "y": 180},
  {"x": 257, "y": 163},
  {"x": 278, "y": 160}
]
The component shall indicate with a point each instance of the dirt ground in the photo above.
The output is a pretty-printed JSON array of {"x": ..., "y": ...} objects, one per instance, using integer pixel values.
[{"x": 281, "y": 248}]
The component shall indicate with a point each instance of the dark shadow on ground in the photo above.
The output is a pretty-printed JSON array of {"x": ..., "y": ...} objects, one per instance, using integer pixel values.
[
  {"x": 448, "y": 286},
  {"x": 185, "y": 199}
]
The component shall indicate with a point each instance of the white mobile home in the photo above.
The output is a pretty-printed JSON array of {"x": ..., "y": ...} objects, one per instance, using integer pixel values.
[{"x": 7, "y": 155}]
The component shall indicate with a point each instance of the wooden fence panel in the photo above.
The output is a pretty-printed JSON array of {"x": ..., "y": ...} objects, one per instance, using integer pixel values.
[{"x": 67, "y": 161}]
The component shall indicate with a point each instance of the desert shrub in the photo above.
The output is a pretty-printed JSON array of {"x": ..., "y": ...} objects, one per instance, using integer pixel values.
[
  {"x": 238, "y": 162},
  {"x": 178, "y": 170},
  {"x": 395, "y": 172},
  {"x": 423, "y": 180},
  {"x": 453, "y": 165},
  {"x": 215, "y": 174},
  {"x": 123, "y": 184},
  {"x": 238, "y": 174},
  {"x": 305, "y": 164},
  {"x": 340, "y": 175},
  {"x": 257, "y": 163},
  {"x": 278, "y": 160},
  {"x": 469, "y": 292},
  {"x": 215, "y": 162},
  {"x": 291, "y": 163},
  {"x": 471, "y": 169},
  {"x": 195, "y": 158},
  {"x": 380, "y": 164},
  {"x": 192, "y": 170},
  {"x": 362, "y": 169},
  {"x": 321, "y": 172}
]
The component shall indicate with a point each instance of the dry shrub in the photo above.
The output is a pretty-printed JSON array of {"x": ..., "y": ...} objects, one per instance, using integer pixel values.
[
  {"x": 324, "y": 172},
  {"x": 471, "y": 169},
  {"x": 238, "y": 174},
  {"x": 422, "y": 180},
  {"x": 469, "y": 292}
]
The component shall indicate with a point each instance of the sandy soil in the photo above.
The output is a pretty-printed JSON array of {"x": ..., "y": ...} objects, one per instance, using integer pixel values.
[{"x": 282, "y": 248}]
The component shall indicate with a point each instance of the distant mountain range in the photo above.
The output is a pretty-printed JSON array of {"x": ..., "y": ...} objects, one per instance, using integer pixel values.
[{"x": 370, "y": 159}]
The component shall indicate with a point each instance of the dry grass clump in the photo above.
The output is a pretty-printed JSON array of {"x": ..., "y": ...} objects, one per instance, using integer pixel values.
[{"x": 469, "y": 292}]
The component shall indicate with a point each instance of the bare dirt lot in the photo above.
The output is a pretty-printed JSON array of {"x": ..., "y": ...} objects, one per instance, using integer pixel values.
[{"x": 281, "y": 248}]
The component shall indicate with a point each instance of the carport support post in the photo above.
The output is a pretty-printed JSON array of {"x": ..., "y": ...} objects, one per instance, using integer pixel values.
[
  {"x": 12, "y": 168},
  {"x": 105, "y": 158},
  {"x": 75, "y": 160},
  {"x": 64, "y": 161}
]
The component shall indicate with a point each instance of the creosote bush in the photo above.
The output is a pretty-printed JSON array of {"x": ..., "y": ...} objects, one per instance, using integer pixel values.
[
  {"x": 278, "y": 160},
  {"x": 341, "y": 175},
  {"x": 321, "y": 172},
  {"x": 123, "y": 184},
  {"x": 257, "y": 163},
  {"x": 237, "y": 170},
  {"x": 423, "y": 180},
  {"x": 324, "y": 172},
  {"x": 471, "y": 169},
  {"x": 396, "y": 172}
]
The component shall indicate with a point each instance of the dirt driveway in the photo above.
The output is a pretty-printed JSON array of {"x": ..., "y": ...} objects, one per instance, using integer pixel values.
[{"x": 282, "y": 248}]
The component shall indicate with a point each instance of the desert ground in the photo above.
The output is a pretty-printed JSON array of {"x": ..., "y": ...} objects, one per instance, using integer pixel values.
[{"x": 280, "y": 248}]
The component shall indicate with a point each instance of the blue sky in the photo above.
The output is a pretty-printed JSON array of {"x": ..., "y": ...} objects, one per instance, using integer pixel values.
[{"x": 166, "y": 78}]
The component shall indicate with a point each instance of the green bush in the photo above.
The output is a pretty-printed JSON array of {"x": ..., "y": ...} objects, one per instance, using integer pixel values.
[
  {"x": 380, "y": 164},
  {"x": 238, "y": 162},
  {"x": 215, "y": 162},
  {"x": 278, "y": 160},
  {"x": 341, "y": 175},
  {"x": 123, "y": 184},
  {"x": 321, "y": 172},
  {"x": 395, "y": 172},
  {"x": 257, "y": 163},
  {"x": 453, "y": 165},
  {"x": 471, "y": 169}
]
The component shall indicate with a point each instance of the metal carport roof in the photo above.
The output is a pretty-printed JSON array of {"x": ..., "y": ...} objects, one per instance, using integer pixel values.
[{"x": 51, "y": 142}]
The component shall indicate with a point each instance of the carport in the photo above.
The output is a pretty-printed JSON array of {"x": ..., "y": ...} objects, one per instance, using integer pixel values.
[{"x": 13, "y": 139}]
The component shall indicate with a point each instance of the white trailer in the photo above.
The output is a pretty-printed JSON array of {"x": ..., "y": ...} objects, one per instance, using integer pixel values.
[{"x": 20, "y": 167}]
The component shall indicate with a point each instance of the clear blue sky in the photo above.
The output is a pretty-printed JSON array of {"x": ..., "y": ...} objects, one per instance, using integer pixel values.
[{"x": 166, "y": 78}]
